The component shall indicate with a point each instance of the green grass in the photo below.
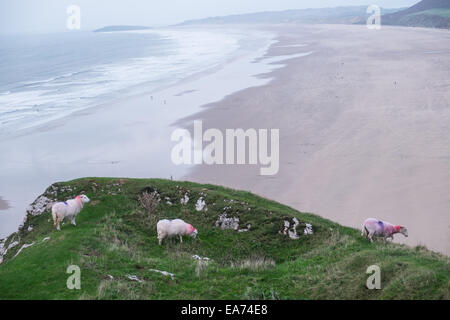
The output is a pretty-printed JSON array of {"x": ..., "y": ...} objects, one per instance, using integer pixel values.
[
  {"x": 442, "y": 12},
  {"x": 115, "y": 236}
]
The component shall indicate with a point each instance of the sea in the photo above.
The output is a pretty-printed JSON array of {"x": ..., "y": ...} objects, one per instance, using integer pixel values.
[{"x": 44, "y": 77}]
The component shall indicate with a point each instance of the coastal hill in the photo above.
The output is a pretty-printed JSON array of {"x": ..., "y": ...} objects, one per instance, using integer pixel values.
[
  {"x": 247, "y": 247},
  {"x": 426, "y": 13},
  {"x": 347, "y": 15},
  {"x": 121, "y": 28}
]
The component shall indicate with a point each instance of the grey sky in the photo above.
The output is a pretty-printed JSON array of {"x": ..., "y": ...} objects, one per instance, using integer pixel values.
[{"x": 18, "y": 16}]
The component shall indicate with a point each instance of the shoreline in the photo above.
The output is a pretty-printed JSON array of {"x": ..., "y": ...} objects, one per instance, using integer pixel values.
[
  {"x": 343, "y": 157},
  {"x": 130, "y": 137},
  {"x": 363, "y": 136}
]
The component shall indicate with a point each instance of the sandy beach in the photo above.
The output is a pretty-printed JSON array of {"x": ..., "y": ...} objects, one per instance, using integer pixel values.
[{"x": 364, "y": 128}]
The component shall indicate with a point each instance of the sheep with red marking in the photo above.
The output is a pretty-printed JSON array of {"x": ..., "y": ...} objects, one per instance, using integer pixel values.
[
  {"x": 171, "y": 228},
  {"x": 68, "y": 209},
  {"x": 374, "y": 227}
]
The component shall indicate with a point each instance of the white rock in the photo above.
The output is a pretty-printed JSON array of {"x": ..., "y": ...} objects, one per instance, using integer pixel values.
[
  {"x": 245, "y": 229},
  {"x": 134, "y": 278},
  {"x": 23, "y": 247},
  {"x": 200, "y": 204},
  {"x": 167, "y": 274},
  {"x": 39, "y": 206},
  {"x": 185, "y": 199},
  {"x": 293, "y": 232},
  {"x": 196, "y": 256},
  {"x": 3, "y": 250},
  {"x": 308, "y": 229},
  {"x": 13, "y": 244},
  {"x": 2, "y": 245},
  {"x": 30, "y": 228},
  {"x": 227, "y": 223},
  {"x": 289, "y": 230}
]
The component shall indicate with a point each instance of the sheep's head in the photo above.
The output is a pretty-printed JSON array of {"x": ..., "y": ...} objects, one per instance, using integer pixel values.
[
  {"x": 403, "y": 231},
  {"x": 192, "y": 231},
  {"x": 84, "y": 198}
]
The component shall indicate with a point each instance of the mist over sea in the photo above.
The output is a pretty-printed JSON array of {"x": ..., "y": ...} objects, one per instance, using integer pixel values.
[{"x": 48, "y": 76}]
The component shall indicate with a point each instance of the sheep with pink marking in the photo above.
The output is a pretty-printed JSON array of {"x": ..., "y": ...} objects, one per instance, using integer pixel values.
[
  {"x": 171, "y": 228},
  {"x": 68, "y": 209},
  {"x": 374, "y": 227}
]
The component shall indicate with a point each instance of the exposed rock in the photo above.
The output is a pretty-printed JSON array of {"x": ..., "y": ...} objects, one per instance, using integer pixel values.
[
  {"x": 13, "y": 244},
  {"x": 3, "y": 250},
  {"x": 134, "y": 278},
  {"x": 290, "y": 228},
  {"x": 245, "y": 229},
  {"x": 200, "y": 205},
  {"x": 167, "y": 274},
  {"x": 30, "y": 228},
  {"x": 293, "y": 232},
  {"x": 195, "y": 256},
  {"x": 227, "y": 223},
  {"x": 40, "y": 205},
  {"x": 308, "y": 229},
  {"x": 23, "y": 247},
  {"x": 185, "y": 199},
  {"x": 2, "y": 245},
  {"x": 290, "y": 231}
]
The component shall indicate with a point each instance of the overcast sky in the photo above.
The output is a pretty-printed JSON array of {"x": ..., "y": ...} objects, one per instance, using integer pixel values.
[{"x": 34, "y": 16}]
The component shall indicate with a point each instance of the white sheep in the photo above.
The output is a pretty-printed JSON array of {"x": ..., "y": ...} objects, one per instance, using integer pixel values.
[
  {"x": 68, "y": 209},
  {"x": 374, "y": 227},
  {"x": 170, "y": 228}
]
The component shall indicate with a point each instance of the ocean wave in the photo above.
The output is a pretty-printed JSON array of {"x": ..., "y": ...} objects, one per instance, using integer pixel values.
[{"x": 188, "y": 52}]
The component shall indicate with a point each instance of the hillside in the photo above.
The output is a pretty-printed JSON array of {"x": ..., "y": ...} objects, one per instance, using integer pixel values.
[
  {"x": 121, "y": 28},
  {"x": 350, "y": 14},
  {"x": 115, "y": 241},
  {"x": 426, "y": 13}
]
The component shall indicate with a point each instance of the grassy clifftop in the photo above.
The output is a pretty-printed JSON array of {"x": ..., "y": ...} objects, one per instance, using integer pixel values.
[{"x": 251, "y": 255}]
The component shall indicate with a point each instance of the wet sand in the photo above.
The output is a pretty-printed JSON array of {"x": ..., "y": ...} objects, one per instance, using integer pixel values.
[{"x": 364, "y": 128}]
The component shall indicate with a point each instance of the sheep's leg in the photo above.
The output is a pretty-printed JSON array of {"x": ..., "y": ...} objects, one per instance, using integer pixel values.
[
  {"x": 73, "y": 222},
  {"x": 181, "y": 238},
  {"x": 370, "y": 236},
  {"x": 160, "y": 237},
  {"x": 58, "y": 220},
  {"x": 365, "y": 233}
]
